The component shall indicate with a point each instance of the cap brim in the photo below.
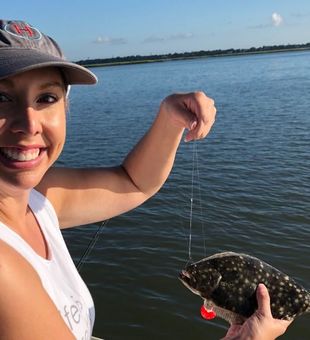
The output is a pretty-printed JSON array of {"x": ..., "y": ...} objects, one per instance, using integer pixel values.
[{"x": 15, "y": 61}]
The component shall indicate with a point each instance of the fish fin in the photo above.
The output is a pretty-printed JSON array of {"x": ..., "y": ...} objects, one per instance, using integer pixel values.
[{"x": 229, "y": 316}]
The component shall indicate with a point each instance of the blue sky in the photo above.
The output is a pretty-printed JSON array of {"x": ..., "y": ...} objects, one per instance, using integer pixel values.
[{"x": 103, "y": 29}]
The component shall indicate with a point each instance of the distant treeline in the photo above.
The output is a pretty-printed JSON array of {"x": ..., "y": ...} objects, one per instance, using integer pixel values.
[{"x": 188, "y": 55}]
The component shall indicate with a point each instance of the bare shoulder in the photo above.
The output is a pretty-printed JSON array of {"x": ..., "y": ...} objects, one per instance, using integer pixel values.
[
  {"x": 56, "y": 185},
  {"x": 26, "y": 311},
  {"x": 57, "y": 178},
  {"x": 14, "y": 267},
  {"x": 59, "y": 182}
]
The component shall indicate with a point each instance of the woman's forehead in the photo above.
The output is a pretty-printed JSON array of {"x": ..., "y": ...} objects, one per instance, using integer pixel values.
[{"x": 48, "y": 76}]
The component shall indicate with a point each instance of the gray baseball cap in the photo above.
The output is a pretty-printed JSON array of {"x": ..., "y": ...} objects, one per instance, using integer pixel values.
[{"x": 23, "y": 48}]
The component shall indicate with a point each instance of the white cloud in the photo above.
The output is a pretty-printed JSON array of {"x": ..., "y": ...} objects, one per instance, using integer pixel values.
[
  {"x": 260, "y": 26},
  {"x": 277, "y": 19},
  {"x": 178, "y": 36},
  {"x": 153, "y": 39},
  {"x": 101, "y": 40},
  {"x": 111, "y": 41}
]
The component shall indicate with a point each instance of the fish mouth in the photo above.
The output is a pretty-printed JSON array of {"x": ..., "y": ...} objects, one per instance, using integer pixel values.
[
  {"x": 184, "y": 274},
  {"x": 186, "y": 279}
]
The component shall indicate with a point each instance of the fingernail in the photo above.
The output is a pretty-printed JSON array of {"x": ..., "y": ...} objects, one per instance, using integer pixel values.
[{"x": 193, "y": 124}]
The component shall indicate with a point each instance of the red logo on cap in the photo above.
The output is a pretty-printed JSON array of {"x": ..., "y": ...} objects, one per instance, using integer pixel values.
[{"x": 22, "y": 30}]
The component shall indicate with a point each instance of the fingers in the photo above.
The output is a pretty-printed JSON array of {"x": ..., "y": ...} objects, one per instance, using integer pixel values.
[
  {"x": 204, "y": 112},
  {"x": 193, "y": 111},
  {"x": 198, "y": 131},
  {"x": 263, "y": 300},
  {"x": 232, "y": 332}
]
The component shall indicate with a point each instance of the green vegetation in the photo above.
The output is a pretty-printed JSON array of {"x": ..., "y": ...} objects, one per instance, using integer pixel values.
[{"x": 137, "y": 59}]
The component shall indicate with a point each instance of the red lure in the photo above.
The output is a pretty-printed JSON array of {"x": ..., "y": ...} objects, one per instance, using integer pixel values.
[{"x": 207, "y": 314}]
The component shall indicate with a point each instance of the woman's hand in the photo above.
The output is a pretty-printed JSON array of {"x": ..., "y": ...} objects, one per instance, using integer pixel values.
[
  {"x": 193, "y": 111},
  {"x": 261, "y": 325}
]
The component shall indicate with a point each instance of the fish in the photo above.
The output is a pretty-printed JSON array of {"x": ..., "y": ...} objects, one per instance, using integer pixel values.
[{"x": 227, "y": 283}]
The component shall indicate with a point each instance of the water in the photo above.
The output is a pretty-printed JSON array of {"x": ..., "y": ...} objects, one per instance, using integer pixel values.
[{"x": 253, "y": 193}]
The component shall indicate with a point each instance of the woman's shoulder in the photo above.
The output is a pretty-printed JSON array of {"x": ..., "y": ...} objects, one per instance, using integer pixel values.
[
  {"x": 13, "y": 266},
  {"x": 25, "y": 307},
  {"x": 17, "y": 278}
]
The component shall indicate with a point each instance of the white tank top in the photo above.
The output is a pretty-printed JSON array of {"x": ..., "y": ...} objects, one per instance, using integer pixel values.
[{"x": 58, "y": 273}]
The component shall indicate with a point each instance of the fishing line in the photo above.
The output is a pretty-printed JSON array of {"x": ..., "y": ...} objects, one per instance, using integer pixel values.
[
  {"x": 195, "y": 172},
  {"x": 200, "y": 202},
  {"x": 191, "y": 206},
  {"x": 91, "y": 245}
]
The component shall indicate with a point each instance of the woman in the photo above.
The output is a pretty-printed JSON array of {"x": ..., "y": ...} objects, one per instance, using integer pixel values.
[{"x": 42, "y": 295}]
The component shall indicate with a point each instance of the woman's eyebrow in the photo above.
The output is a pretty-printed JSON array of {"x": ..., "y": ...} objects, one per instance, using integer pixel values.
[
  {"x": 52, "y": 84},
  {"x": 9, "y": 83},
  {"x": 6, "y": 82}
]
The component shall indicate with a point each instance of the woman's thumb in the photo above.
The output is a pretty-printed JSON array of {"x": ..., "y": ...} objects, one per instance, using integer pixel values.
[{"x": 263, "y": 300}]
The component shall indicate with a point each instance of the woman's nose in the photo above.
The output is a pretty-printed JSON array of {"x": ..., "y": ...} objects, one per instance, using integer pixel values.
[{"x": 27, "y": 122}]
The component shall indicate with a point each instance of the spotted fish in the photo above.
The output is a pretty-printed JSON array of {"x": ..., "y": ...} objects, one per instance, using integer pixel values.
[{"x": 227, "y": 283}]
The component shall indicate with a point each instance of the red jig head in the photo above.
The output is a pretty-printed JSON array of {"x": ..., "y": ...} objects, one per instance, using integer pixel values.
[{"x": 207, "y": 314}]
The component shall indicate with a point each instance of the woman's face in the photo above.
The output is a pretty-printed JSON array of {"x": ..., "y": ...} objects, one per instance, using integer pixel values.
[{"x": 32, "y": 126}]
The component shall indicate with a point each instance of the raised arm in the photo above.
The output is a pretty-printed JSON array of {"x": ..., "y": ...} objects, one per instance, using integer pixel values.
[{"x": 83, "y": 196}]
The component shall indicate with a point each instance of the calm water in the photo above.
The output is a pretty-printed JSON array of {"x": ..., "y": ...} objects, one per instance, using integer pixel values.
[{"x": 252, "y": 196}]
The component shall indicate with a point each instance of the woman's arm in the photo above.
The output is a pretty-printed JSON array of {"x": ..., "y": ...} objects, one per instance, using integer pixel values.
[{"x": 83, "y": 196}]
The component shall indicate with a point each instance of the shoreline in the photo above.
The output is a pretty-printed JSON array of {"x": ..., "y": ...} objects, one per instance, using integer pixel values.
[{"x": 164, "y": 58}]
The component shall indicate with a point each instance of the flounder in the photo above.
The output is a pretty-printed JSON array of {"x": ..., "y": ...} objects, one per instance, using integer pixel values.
[{"x": 227, "y": 283}]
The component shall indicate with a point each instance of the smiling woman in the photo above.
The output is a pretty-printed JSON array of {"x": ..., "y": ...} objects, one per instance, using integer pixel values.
[
  {"x": 36, "y": 111},
  {"x": 37, "y": 200}
]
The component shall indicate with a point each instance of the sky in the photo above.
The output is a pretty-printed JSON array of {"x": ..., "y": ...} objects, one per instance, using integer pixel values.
[{"x": 104, "y": 29}]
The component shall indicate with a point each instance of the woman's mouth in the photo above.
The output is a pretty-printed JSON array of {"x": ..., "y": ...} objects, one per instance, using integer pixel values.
[{"x": 20, "y": 155}]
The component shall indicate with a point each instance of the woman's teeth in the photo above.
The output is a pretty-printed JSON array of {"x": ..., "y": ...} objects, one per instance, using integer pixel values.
[{"x": 21, "y": 155}]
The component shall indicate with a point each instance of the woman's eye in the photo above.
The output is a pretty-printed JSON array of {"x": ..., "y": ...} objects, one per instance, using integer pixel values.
[
  {"x": 4, "y": 98},
  {"x": 48, "y": 99}
]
